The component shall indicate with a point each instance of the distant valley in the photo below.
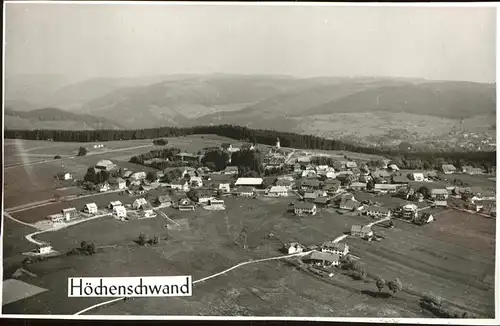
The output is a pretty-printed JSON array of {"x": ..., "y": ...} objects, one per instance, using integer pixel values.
[{"x": 330, "y": 107}]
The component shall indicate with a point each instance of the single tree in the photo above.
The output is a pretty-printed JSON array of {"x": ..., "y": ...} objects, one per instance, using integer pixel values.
[
  {"x": 91, "y": 249},
  {"x": 156, "y": 240},
  {"x": 151, "y": 176},
  {"x": 395, "y": 286},
  {"x": 82, "y": 151},
  {"x": 142, "y": 239},
  {"x": 83, "y": 244},
  {"x": 57, "y": 157},
  {"x": 380, "y": 283}
]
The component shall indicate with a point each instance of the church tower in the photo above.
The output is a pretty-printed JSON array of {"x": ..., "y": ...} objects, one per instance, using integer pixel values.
[{"x": 277, "y": 142}]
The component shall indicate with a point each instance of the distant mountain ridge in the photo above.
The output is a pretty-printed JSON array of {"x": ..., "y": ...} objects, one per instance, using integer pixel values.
[
  {"x": 49, "y": 118},
  {"x": 260, "y": 101}
]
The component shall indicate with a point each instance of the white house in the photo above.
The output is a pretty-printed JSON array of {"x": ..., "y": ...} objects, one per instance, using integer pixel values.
[
  {"x": 376, "y": 211},
  {"x": 230, "y": 170},
  {"x": 308, "y": 174},
  {"x": 278, "y": 191},
  {"x": 340, "y": 249},
  {"x": 417, "y": 176},
  {"x": 331, "y": 175},
  {"x": 147, "y": 210},
  {"x": 69, "y": 213},
  {"x": 196, "y": 182},
  {"x": 64, "y": 176},
  {"x": 361, "y": 231},
  {"x": 254, "y": 182},
  {"x": 90, "y": 208},
  {"x": 217, "y": 203},
  {"x": 120, "y": 211},
  {"x": 393, "y": 167},
  {"x": 56, "y": 218},
  {"x": 324, "y": 259},
  {"x": 139, "y": 202},
  {"x": 440, "y": 197},
  {"x": 117, "y": 183},
  {"x": 224, "y": 187},
  {"x": 114, "y": 204},
  {"x": 303, "y": 208},
  {"x": 138, "y": 176},
  {"x": 294, "y": 248},
  {"x": 104, "y": 187},
  {"x": 44, "y": 249},
  {"x": 181, "y": 184}
]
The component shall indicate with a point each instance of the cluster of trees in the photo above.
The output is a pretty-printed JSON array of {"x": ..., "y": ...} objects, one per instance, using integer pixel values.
[
  {"x": 394, "y": 285},
  {"x": 249, "y": 163},
  {"x": 97, "y": 177},
  {"x": 85, "y": 249},
  {"x": 160, "y": 142},
  {"x": 165, "y": 154},
  {"x": 171, "y": 176},
  {"x": 268, "y": 137},
  {"x": 215, "y": 160},
  {"x": 146, "y": 240},
  {"x": 82, "y": 151},
  {"x": 435, "y": 305}
]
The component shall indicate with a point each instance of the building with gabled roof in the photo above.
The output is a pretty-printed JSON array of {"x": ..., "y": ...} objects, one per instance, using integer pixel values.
[
  {"x": 448, "y": 168},
  {"x": 254, "y": 182}
]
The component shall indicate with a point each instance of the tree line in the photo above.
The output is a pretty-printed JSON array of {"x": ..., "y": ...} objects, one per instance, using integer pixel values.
[{"x": 267, "y": 137}]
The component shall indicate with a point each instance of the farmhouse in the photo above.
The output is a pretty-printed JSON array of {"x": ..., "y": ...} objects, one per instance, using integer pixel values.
[
  {"x": 393, "y": 167},
  {"x": 104, "y": 187},
  {"x": 310, "y": 196},
  {"x": 252, "y": 182},
  {"x": 448, "y": 168},
  {"x": 358, "y": 186},
  {"x": 64, "y": 176},
  {"x": 305, "y": 209},
  {"x": 224, "y": 187},
  {"x": 284, "y": 183},
  {"x": 380, "y": 174},
  {"x": 310, "y": 184},
  {"x": 278, "y": 191},
  {"x": 399, "y": 179},
  {"x": 217, "y": 203},
  {"x": 139, "y": 202},
  {"x": 361, "y": 231},
  {"x": 230, "y": 170},
  {"x": 69, "y": 213},
  {"x": 348, "y": 204},
  {"x": 409, "y": 211},
  {"x": 114, "y": 204},
  {"x": 322, "y": 201},
  {"x": 385, "y": 188},
  {"x": 120, "y": 211},
  {"x": 376, "y": 211},
  {"x": 340, "y": 249},
  {"x": 185, "y": 205},
  {"x": 196, "y": 182},
  {"x": 323, "y": 259},
  {"x": 105, "y": 165},
  {"x": 117, "y": 183},
  {"x": 204, "y": 196},
  {"x": 181, "y": 184},
  {"x": 226, "y": 147},
  {"x": 294, "y": 248},
  {"x": 127, "y": 174},
  {"x": 472, "y": 170},
  {"x": 440, "y": 197},
  {"x": 303, "y": 159},
  {"x": 417, "y": 176},
  {"x": 147, "y": 211},
  {"x": 138, "y": 176},
  {"x": 56, "y": 218},
  {"x": 244, "y": 191},
  {"x": 44, "y": 249},
  {"x": 351, "y": 165},
  {"x": 164, "y": 201},
  {"x": 90, "y": 208}
]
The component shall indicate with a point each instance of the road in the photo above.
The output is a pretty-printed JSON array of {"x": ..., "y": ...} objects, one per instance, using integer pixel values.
[
  {"x": 29, "y": 237},
  {"x": 203, "y": 279},
  {"x": 13, "y": 166}
]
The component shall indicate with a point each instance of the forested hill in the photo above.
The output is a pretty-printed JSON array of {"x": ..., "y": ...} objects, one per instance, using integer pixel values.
[{"x": 268, "y": 137}]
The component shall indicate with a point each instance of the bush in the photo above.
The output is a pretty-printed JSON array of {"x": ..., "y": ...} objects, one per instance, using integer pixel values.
[
  {"x": 359, "y": 274},
  {"x": 57, "y": 157},
  {"x": 82, "y": 151}
]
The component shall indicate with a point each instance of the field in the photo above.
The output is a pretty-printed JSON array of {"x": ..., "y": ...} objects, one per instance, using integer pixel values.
[
  {"x": 450, "y": 257},
  {"x": 214, "y": 242}
]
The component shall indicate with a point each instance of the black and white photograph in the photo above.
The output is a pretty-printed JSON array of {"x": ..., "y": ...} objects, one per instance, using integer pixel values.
[{"x": 242, "y": 160}]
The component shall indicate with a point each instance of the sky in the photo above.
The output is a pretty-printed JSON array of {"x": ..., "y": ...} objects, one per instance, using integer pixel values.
[{"x": 125, "y": 40}]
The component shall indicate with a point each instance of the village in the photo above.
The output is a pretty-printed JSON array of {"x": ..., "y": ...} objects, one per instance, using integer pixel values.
[{"x": 382, "y": 193}]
